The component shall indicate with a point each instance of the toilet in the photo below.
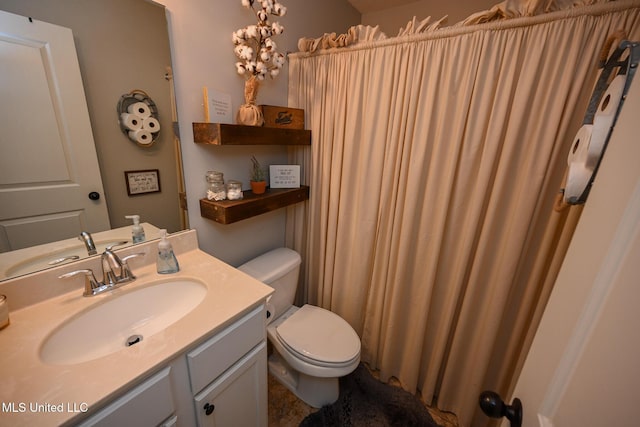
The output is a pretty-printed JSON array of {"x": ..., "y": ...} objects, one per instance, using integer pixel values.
[{"x": 312, "y": 346}]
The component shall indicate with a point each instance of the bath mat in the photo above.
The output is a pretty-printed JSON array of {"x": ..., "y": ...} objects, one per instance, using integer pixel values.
[{"x": 367, "y": 402}]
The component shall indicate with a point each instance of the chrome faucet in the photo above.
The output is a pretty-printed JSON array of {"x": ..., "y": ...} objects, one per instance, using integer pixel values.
[
  {"x": 115, "y": 273},
  {"x": 86, "y": 238}
]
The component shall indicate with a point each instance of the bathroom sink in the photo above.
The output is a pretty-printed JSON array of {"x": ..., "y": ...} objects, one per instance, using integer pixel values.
[
  {"x": 55, "y": 257},
  {"x": 120, "y": 321}
]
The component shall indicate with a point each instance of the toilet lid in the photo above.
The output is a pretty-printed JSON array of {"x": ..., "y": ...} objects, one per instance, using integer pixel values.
[{"x": 320, "y": 335}]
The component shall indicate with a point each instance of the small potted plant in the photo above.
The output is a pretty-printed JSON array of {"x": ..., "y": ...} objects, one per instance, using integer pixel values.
[{"x": 257, "y": 180}]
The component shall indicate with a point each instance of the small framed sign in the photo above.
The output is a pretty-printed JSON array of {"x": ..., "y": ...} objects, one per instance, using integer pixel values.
[
  {"x": 284, "y": 176},
  {"x": 142, "y": 182}
]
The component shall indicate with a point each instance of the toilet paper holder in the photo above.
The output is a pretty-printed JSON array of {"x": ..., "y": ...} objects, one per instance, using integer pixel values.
[
  {"x": 138, "y": 118},
  {"x": 620, "y": 66}
]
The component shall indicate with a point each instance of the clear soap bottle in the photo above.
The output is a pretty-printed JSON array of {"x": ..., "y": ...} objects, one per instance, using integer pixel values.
[
  {"x": 137, "y": 232},
  {"x": 166, "y": 262}
]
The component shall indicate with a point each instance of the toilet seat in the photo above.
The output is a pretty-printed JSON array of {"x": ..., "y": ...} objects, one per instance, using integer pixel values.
[{"x": 320, "y": 337}]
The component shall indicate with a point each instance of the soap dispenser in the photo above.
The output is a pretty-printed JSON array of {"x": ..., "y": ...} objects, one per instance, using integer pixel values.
[
  {"x": 137, "y": 232},
  {"x": 167, "y": 261}
]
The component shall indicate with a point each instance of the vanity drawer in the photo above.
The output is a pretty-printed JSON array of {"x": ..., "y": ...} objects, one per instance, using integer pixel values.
[
  {"x": 147, "y": 404},
  {"x": 216, "y": 355}
]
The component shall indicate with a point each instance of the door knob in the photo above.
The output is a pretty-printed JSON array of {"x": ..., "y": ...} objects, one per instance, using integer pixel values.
[
  {"x": 492, "y": 405},
  {"x": 209, "y": 408},
  {"x": 94, "y": 195}
]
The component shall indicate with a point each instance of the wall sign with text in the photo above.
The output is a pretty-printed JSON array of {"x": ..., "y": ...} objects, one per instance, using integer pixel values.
[
  {"x": 284, "y": 176},
  {"x": 142, "y": 182}
]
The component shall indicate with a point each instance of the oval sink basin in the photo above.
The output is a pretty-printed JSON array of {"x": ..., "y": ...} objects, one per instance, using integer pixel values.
[
  {"x": 53, "y": 258},
  {"x": 121, "y": 321}
]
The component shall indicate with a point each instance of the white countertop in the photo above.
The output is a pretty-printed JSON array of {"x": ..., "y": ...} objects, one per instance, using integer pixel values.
[{"x": 26, "y": 381}]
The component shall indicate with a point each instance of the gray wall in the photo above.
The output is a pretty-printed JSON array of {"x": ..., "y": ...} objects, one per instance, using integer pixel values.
[{"x": 202, "y": 52}]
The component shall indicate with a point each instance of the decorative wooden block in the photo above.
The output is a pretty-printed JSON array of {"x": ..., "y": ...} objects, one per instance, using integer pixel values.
[
  {"x": 228, "y": 134},
  {"x": 230, "y": 211},
  {"x": 282, "y": 117}
]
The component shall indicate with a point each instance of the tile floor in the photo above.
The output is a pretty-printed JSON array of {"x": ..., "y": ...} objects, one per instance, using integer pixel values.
[{"x": 286, "y": 410}]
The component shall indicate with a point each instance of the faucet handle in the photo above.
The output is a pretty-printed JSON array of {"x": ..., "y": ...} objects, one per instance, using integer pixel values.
[
  {"x": 63, "y": 259},
  {"x": 120, "y": 243},
  {"x": 91, "y": 284},
  {"x": 126, "y": 270}
]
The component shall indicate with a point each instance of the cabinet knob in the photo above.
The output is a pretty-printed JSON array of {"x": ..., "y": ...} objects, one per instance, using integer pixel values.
[{"x": 208, "y": 408}]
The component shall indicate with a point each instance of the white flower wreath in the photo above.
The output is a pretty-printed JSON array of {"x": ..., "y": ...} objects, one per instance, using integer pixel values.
[{"x": 254, "y": 45}]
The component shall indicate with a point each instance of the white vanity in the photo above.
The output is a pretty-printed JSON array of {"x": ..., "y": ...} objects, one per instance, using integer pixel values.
[{"x": 202, "y": 361}]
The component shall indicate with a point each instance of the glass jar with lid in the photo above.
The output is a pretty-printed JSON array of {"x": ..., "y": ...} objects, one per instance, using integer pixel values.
[
  {"x": 215, "y": 186},
  {"x": 234, "y": 190},
  {"x": 214, "y": 176}
]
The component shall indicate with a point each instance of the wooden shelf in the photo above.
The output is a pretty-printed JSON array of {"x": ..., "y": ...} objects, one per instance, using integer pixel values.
[
  {"x": 228, "y": 134},
  {"x": 230, "y": 211}
]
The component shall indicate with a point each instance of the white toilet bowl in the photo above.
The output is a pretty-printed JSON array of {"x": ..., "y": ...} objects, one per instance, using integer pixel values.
[{"x": 313, "y": 347}]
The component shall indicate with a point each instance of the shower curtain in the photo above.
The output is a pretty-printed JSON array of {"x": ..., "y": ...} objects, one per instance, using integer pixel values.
[{"x": 434, "y": 165}]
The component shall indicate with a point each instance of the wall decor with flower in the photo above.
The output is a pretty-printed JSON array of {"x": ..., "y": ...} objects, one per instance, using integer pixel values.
[{"x": 258, "y": 55}]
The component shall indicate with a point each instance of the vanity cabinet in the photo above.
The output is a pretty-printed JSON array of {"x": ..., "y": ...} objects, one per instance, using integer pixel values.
[
  {"x": 147, "y": 404},
  {"x": 228, "y": 375},
  {"x": 220, "y": 382}
]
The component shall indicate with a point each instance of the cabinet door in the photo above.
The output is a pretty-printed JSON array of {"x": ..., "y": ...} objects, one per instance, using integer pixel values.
[{"x": 239, "y": 396}]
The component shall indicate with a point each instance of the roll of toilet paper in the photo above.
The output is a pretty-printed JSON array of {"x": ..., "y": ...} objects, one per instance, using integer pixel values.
[
  {"x": 599, "y": 137},
  {"x": 608, "y": 106},
  {"x": 580, "y": 169},
  {"x": 141, "y": 136},
  {"x": 580, "y": 146},
  {"x": 139, "y": 108},
  {"x": 151, "y": 124},
  {"x": 131, "y": 121},
  {"x": 604, "y": 118},
  {"x": 578, "y": 177}
]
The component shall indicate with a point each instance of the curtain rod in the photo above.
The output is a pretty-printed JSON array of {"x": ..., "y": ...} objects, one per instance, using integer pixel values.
[{"x": 446, "y": 32}]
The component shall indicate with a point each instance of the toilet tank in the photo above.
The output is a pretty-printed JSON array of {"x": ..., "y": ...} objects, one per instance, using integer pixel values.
[{"x": 279, "y": 269}]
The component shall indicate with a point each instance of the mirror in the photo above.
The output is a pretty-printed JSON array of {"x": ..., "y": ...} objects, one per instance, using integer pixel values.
[{"x": 121, "y": 46}]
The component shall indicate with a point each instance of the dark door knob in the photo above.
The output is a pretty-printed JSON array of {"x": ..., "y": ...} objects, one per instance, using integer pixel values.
[
  {"x": 492, "y": 405},
  {"x": 209, "y": 408},
  {"x": 94, "y": 195}
]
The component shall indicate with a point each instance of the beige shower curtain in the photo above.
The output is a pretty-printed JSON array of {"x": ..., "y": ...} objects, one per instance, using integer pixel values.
[{"x": 433, "y": 169}]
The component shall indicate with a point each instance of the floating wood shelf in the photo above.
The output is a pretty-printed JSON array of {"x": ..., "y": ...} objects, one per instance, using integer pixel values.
[
  {"x": 230, "y": 211},
  {"x": 228, "y": 134}
]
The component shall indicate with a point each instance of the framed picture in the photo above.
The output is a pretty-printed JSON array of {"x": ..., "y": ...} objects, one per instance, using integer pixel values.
[
  {"x": 142, "y": 182},
  {"x": 284, "y": 176}
]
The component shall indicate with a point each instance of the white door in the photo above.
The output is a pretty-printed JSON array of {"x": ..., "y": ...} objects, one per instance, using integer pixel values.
[
  {"x": 583, "y": 368},
  {"x": 48, "y": 162}
]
